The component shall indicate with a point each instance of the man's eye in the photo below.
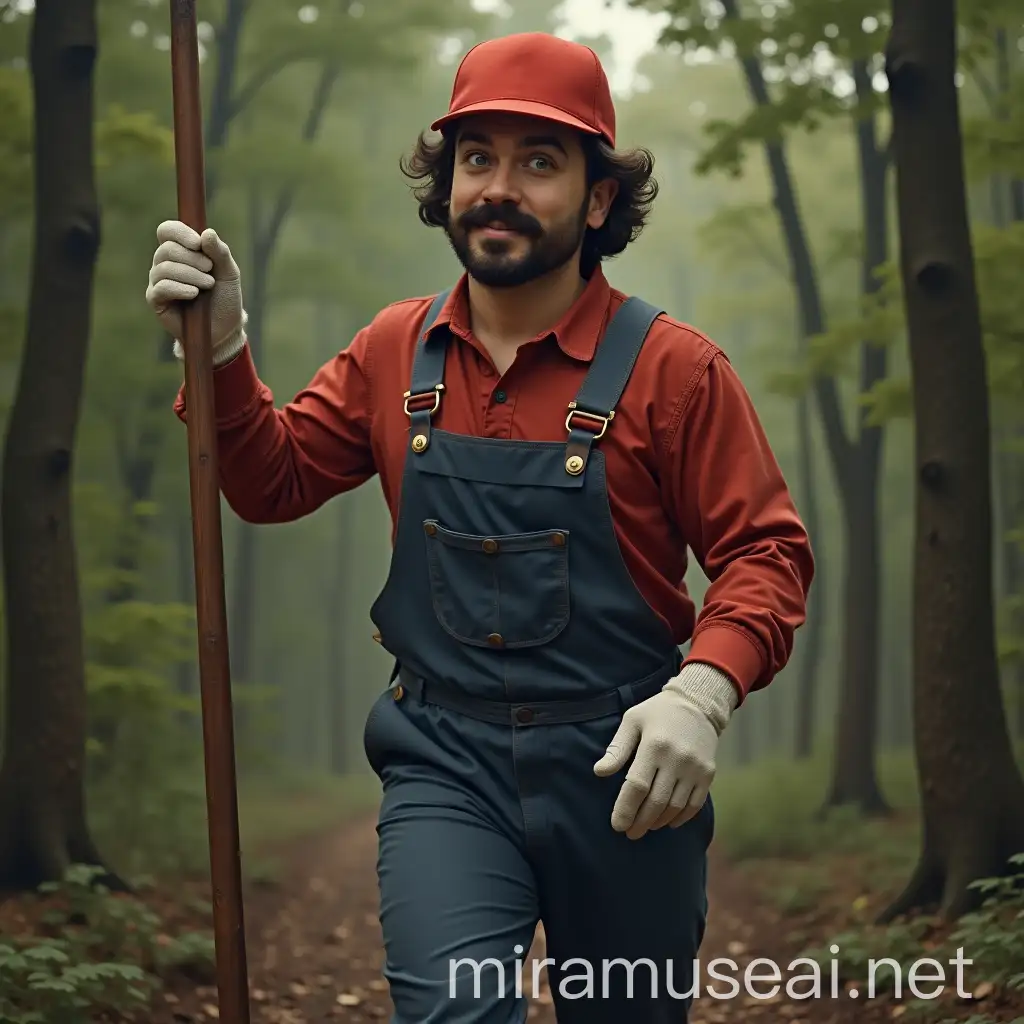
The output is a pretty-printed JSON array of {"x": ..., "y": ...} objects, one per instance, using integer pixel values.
[
  {"x": 543, "y": 162},
  {"x": 476, "y": 156}
]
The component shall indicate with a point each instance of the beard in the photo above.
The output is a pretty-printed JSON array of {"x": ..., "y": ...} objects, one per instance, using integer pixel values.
[{"x": 496, "y": 263}]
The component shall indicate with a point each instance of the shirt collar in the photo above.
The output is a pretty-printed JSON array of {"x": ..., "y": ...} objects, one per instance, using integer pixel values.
[{"x": 576, "y": 334}]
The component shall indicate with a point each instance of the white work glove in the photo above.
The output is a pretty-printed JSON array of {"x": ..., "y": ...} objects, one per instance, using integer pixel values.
[
  {"x": 675, "y": 735},
  {"x": 185, "y": 262}
]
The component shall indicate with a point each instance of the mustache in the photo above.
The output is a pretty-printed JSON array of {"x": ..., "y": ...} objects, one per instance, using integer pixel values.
[{"x": 505, "y": 214}]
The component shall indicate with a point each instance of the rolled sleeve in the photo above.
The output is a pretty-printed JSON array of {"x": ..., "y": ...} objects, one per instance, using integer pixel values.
[{"x": 739, "y": 519}]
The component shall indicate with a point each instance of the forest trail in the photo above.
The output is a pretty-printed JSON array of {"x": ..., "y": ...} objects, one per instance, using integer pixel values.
[{"x": 315, "y": 948}]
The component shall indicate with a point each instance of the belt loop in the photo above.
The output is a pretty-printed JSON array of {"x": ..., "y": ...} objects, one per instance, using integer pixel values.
[{"x": 626, "y": 696}]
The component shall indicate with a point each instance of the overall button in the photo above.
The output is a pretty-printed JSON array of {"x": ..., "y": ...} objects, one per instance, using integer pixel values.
[
  {"x": 490, "y": 546},
  {"x": 574, "y": 465},
  {"x": 399, "y": 692},
  {"x": 430, "y": 529},
  {"x": 496, "y": 640},
  {"x": 524, "y": 715},
  {"x": 419, "y": 443}
]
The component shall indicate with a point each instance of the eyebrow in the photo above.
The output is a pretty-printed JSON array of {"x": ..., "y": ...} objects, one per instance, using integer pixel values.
[{"x": 531, "y": 140}]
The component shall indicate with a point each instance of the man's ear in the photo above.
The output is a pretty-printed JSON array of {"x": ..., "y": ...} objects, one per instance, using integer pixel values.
[{"x": 602, "y": 195}]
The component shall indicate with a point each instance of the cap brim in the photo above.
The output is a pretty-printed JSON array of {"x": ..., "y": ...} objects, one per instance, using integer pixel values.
[{"x": 525, "y": 107}]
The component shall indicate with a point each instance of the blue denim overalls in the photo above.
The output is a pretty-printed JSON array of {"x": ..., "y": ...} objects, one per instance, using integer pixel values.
[{"x": 520, "y": 639}]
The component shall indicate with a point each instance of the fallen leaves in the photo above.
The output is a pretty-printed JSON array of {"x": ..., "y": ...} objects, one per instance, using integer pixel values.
[
  {"x": 317, "y": 958},
  {"x": 983, "y": 991}
]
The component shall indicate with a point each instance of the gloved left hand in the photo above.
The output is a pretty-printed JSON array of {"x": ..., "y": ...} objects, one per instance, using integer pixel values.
[{"x": 675, "y": 735}]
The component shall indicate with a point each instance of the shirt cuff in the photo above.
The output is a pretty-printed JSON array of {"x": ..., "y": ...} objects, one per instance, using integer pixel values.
[
  {"x": 236, "y": 387},
  {"x": 731, "y": 650}
]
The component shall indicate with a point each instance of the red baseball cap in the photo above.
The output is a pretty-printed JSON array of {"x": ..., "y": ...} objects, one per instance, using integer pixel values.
[{"x": 536, "y": 74}]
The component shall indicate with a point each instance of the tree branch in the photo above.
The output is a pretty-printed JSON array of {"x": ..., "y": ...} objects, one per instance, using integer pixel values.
[
  {"x": 804, "y": 274},
  {"x": 262, "y": 77},
  {"x": 311, "y": 127}
]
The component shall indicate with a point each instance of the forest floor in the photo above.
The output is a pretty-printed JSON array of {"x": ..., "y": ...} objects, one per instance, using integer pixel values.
[{"x": 314, "y": 944}]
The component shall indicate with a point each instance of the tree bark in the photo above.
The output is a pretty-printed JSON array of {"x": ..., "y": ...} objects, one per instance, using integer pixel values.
[
  {"x": 972, "y": 792},
  {"x": 43, "y": 822}
]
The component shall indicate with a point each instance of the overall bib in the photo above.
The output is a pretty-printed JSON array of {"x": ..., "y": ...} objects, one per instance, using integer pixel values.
[{"x": 520, "y": 639}]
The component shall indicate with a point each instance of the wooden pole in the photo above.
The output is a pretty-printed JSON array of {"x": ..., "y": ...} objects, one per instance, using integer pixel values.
[{"x": 208, "y": 548}]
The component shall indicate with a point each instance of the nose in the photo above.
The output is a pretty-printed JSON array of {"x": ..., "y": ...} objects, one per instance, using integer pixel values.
[{"x": 501, "y": 186}]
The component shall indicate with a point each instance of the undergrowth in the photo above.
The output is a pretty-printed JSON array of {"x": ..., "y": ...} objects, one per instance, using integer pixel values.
[
  {"x": 988, "y": 942},
  {"x": 95, "y": 954}
]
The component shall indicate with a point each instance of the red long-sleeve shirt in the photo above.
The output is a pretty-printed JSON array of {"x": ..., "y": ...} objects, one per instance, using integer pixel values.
[{"x": 688, "y": 463}]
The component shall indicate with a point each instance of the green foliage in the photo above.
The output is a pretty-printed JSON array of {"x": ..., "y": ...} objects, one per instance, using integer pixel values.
[
  {"x": 789, "y": 41},
  {"x": 15, "y": 143},
  {"x": 860, "y": 953},
  {"x": 771, "y": 810},
  {"x": 124, "y": 136},
  {"x": 67, "y": 973},
  {"x": 802, "y": 892},
  {"x": 992, "y": 939},
  {"x": 993, "y": 936}
]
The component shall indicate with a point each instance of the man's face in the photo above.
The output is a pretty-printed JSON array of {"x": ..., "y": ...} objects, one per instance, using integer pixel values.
[{"x": 520, "y": 205}]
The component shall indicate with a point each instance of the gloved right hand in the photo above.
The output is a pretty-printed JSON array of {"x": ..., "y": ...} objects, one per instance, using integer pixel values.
[{"x": 184, "y": 263}]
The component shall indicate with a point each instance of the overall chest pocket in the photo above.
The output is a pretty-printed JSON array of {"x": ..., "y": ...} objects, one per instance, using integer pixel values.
[{"x": 504, "y": 590}]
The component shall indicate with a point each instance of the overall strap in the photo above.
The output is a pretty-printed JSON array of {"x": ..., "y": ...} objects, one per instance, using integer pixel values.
[
  {"x": 423, "y": 398},
  {"x": 594, "y": 406}
]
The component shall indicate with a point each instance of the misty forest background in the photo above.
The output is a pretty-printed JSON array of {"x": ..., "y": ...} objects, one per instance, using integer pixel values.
[{"x": 775, "y": 232}]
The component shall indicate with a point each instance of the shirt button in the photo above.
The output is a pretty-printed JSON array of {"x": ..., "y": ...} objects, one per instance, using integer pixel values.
[{"x": 500, "y": 397}]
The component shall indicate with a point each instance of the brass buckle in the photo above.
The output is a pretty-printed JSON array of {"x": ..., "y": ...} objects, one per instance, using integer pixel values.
[
  {"x": 409, "y": 396},
  {"x": 604, "y": 420}
]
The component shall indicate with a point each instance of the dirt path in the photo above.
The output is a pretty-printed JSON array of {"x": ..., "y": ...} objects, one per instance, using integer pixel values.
[{"x": 315, "y": 949}]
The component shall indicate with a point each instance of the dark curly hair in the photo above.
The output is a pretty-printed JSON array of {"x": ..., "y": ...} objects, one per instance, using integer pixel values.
[{"x": 432, "y": 162}]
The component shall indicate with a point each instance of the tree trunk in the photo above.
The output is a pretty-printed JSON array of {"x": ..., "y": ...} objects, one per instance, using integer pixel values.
[
  {"x": 266, "y": 234},
  {"x": 853, "y": 463},
  {"x": 854, "y": 780},
  {"x": 971, "y": 790},
  {"x": 43, "y": 822},
  {"x": 814, "y": 631}
]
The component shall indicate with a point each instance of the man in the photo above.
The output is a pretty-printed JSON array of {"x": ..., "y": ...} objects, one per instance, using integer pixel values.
[{"x": 548, "y": 450}]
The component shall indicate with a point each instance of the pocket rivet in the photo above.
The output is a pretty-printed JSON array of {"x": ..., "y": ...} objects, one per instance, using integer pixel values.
[
  {"x": 430, "y": 529},
  {"x": 574, "y": 465},
  {"x": 490, "y": 546},
  {"x": 558, "y": 540},
  {"x": 419, "y": 442},
  {"x": 496, "y": 640}
]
